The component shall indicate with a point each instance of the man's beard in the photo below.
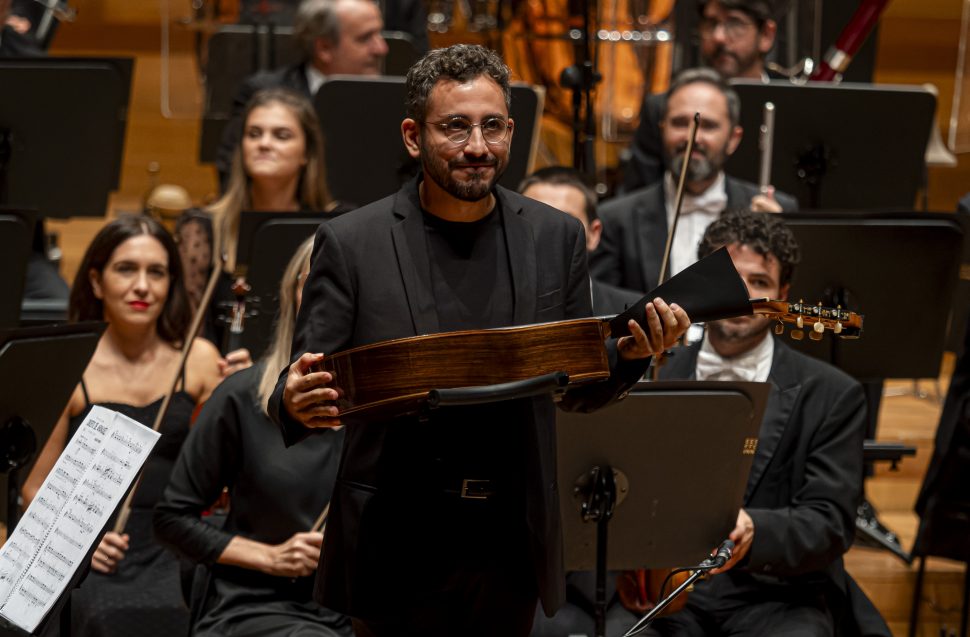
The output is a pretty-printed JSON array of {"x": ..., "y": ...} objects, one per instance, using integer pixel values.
[
  {"x": 698, "y": 168},
  {"x": 736, "y": 65},
  {"x": 475, "y": 189},
  {"x": 750, "y": 331}
]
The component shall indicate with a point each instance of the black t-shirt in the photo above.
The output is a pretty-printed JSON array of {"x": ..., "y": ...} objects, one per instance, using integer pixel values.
[
  {"x": 472, "y": 286},
  {"x": 470, "y": 275}
]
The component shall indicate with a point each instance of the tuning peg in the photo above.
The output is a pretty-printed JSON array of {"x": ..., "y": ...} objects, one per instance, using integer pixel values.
[
  {"x": 819, "y": 327},
  {"x": 797, "y": 335},
  {"x": 815, "y": 336},
  {"x": 838, "y": 327},
  {"x": 780, "y": 329}
]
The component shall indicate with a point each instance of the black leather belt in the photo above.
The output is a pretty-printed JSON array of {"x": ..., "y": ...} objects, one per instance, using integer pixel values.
[{"x": 472, "y": 489}]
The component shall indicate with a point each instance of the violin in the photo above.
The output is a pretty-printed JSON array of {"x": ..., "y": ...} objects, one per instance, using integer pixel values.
[
  {"x": 406, "y": 376},
  {"x": 236, "y": 321}
]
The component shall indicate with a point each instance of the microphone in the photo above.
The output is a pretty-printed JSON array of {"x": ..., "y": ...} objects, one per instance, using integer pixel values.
[{"x": 723, "y": 553}]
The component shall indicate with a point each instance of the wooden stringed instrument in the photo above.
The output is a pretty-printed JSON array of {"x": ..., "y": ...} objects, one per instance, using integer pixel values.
[{"x": 396, "y": 377}]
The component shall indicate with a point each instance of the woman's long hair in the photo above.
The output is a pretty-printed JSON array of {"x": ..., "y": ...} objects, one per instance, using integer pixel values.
[
  {"x": 278, "y": 355},
  {"x": 173, "y": 322},
  {"x": 311, "y": 191}
]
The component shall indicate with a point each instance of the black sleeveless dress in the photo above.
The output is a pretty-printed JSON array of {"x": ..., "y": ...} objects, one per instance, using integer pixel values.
[{"x": 143, "y": 597}]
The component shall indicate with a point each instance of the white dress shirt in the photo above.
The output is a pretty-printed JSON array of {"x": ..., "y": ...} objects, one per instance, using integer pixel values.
[
  {"x": 696, "y": 213},
  {"x": 314, "y": 78},
  {"x": 753, "y": 366}
]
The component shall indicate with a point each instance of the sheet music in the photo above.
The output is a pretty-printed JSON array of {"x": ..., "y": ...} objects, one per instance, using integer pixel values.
[{"x": 73, "y": 505}]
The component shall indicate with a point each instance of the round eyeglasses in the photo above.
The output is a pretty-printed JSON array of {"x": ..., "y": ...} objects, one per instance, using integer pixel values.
[
  {"x": 458, "y": 130},
  {"x": 734, "y": 27}
]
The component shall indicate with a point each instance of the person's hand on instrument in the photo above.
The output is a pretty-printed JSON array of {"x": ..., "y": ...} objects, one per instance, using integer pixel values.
[
  {"x": 296, "y": 557},
  {"x": 235, "y": 361},
  {"x": 742, "y": 536},
  {"x": 307, "y": 395},
  {"x": 765, "y": 202},
  {"x": 665, "y": 325},
  {"x": 111, "y": 550}
]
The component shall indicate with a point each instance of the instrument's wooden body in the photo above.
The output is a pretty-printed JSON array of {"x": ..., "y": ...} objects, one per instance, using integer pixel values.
[{"x": 394, "y": 377}]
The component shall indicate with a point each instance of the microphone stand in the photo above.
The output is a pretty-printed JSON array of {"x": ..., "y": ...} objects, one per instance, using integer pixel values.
[
  {"x": 581, "y": 78},
  {"x": 715, "y": 561}
]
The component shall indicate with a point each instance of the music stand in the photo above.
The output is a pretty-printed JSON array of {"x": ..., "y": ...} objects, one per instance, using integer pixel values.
[
  {"x": 62, "y": 135},
  {"x": 237, "y": 51},
  {"x": 664, "y": 515},
  {"x": 16, "y": 239},
  {"x": 35, "y": 394},
  {"x": 267, "y": 242},
  {"x": 823, "y": 154},
  {"x": 856, "y": 260},
  {"x": 365, "y": 156}
]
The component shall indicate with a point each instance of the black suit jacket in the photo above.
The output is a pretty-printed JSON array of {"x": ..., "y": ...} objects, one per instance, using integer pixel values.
[
  {"x": 635, "y": 233},
  {"x": 291, "y": 77},
  {"x": 804, "y": 487},
  {"x": 369, "y": 282},
  {"x": 609, "y": 299}
]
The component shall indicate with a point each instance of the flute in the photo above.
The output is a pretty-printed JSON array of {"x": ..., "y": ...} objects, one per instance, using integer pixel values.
[{"x": 766, "y": 142}]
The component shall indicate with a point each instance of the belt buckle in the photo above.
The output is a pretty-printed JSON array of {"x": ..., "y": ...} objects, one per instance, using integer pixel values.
[{"x": 475, "y": 489}]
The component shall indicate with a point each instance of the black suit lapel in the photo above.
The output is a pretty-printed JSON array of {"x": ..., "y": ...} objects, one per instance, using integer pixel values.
[
  {"x": 737, "y": 195},
  {"x": 410, "y": 248},
  {"x": 681, "y": 363},
  {"x": 650, "y": 221},
  {"x": 785, "y": 388},
  {"x": 520, "y": 242}
]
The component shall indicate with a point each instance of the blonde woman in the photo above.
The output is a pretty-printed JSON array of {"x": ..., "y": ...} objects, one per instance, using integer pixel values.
[
  {"x": 261, "y": 558},
  {"x": 277, "y": 167}
]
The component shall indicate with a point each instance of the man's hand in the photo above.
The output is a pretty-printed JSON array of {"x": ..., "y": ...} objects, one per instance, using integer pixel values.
[
  {"x": 742, "y": 536},
  {"x": 765, "y": 202},
  {"x": 296, "y": 557},
  {"x": 306, "y": 392},
  {"x": 235, "y": 361},
  {"x": 666, "y": 324},
  {"x": 111, "y": 550}
]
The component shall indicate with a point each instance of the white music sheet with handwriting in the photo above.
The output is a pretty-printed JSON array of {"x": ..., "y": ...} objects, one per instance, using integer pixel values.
[{"x": 73, "y": 505}]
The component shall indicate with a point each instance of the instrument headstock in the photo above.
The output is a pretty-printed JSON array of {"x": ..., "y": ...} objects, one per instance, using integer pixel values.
[{"x": 817, "y": 318}]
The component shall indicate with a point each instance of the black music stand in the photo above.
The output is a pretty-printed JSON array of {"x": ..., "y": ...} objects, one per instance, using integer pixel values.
[
  {"x": 627, "y": 469},
  {"x": 35, "y": 394},
  {"x": 267, "y": 242},
  {"x": 365, "y": 156},
  {"x": 62, "y": 130},
  {"x": 16, "y": 240},
  {"x": 237, "y": 51},
  {"x": 900, "y": 271},
  {"x": 827, "y": 150}
]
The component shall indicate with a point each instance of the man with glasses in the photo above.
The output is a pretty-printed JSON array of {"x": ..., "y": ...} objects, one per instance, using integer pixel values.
[
  {"x": 448, "y": 525},
  {"x": 735, "y": 37}
]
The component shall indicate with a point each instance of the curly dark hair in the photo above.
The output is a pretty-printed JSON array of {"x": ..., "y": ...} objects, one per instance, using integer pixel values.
[
  {"x": 758, "y": 10},
  {"x": 173, "y": 323},
  {"x": 763, "y": 232},
  {"x": 461, "y": 63}
]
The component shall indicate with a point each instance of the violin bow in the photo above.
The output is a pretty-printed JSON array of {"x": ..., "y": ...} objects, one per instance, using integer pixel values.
[
  {"x": 680, "y": 196},
  {"x": 210, "y": 287},
  {"x": 658, "y": 359},
  {"x": 321, "y": 524}
]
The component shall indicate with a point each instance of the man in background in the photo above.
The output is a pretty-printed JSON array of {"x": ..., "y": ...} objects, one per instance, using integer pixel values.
[{"x": 735, "y": 37}]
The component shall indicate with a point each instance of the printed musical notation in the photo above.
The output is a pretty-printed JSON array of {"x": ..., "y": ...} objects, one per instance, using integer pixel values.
[{"x": 69, "y": 514}]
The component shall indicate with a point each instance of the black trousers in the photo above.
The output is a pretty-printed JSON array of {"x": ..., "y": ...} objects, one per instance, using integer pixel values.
[
  {"x": 716, "y": 607},
  {"x": 477, "y": 580}
]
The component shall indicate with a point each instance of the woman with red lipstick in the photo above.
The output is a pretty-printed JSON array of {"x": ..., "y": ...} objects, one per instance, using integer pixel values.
[
  {"x": 131, "y": 277},
  {"x": 277, "y": 167}
]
